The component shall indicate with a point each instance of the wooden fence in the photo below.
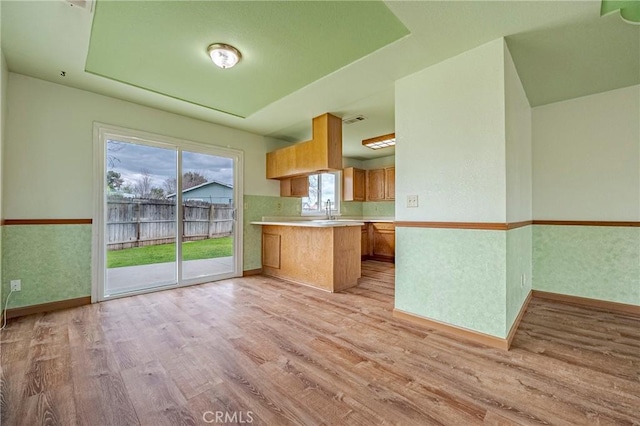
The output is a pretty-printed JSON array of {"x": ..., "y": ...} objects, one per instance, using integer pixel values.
[{"x": 137, "y": 223}]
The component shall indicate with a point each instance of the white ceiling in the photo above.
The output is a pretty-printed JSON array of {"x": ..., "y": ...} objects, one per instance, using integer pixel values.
[{"x": 42, "y": 38}]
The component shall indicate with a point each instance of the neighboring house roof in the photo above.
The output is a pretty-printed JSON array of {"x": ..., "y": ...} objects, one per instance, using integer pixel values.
[{"x": 227, "y": 185}]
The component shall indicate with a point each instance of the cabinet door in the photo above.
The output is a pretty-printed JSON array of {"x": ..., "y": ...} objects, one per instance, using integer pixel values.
[
  {"x": 300, "y": 186},
  {"x": 390, "y": 183},
  {"x": 271, "y": 250},
  {"x": 375, "y": 185},
  {"x": 383, "y": 245},
  {"x": 294, "y": 187},
  {"x": 364, "y": 242},
  {"x": 353, "y": 184}
]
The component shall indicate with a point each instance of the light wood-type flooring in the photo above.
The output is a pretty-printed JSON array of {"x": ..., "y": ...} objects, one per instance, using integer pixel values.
[{"x": 263, "y": 351}]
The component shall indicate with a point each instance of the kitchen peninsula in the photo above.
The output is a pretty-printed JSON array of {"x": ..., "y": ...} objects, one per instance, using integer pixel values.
[{"x": 323, "y": 254}]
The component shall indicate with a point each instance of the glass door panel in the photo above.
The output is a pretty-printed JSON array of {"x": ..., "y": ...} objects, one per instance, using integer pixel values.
[
  {"x": 140, "y": 216},
  {"x": 207, "y": 215}
]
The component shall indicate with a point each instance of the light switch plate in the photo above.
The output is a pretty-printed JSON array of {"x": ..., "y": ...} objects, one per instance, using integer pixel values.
[{"x": 412, "y": 201}]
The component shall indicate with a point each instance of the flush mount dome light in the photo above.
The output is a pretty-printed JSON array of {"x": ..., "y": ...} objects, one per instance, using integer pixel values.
[{"x": 224, "y": 55}]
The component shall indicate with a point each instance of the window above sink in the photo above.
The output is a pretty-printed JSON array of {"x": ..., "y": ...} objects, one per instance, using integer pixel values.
[{"x": 322, "y": 187}]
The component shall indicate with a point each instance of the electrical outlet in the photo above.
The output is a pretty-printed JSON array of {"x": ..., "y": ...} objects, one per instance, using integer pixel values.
[
  {"x": 523, "y": 280},
  {"x": 412, "y": 201},
  {"x": 279, "y": 207},
  {"x": 246, "y": 205},
  {"x": 16, "y": 285}
]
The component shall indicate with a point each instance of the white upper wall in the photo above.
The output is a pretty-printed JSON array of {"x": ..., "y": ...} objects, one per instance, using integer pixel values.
[
  {"x": 380, "y": 162},
  {"x": 586, "y": 158},
  {"x": 49, "y": 146},
  {"x": 518, "y": 144},
  {"x": 450, "y": 128},
  {"x": 4, "y": 78}
]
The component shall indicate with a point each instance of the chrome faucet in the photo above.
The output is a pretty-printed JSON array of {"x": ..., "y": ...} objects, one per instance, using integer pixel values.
[{"x": 327, "y": 208}]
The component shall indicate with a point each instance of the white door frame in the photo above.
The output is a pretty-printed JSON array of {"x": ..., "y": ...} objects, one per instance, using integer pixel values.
[{"x": 103, "y": 132}]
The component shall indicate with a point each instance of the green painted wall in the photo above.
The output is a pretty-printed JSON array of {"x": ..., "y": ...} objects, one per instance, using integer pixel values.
[
  {"x": 351, "y": 208},
  {"x": 598, "y": 262},
  {"x": 255, "y": 207},
  {"x": 468, "y": 278},
  {"x": 53, "y": 262},
  {"x": 519, "y": 262},
  {"x": 368, "y": 208},
  {"x": 379, "y": 209},
  {"x": 453, "y": 275}
]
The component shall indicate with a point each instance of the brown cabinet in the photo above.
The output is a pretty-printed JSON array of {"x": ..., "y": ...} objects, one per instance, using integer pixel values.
[
  {"x": 383, "y": 244},
  {"x": 320, "y": 257},
  {"x": 378, "y": 241},
  {"x": 375, "y": 185},
  {"x": 364, "y": 242},
  {"x": 323, "y": 152},
  {"x": 390, "y": 183},
  {"x": 271, "y": 250},
  {"x": 294, "y": 187},
  {"x": 381, "y": 184},
  {"x": 353, "y": 184}
]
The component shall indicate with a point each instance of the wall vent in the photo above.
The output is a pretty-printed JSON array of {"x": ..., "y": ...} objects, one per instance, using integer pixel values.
[{"x": 356, "y": 119}]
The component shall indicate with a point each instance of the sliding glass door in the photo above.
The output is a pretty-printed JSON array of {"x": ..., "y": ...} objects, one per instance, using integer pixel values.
[
  {"x": 166, "y": 213},
  {"x": 140, "y": 237},
  {"x": 208, "y": 215}
]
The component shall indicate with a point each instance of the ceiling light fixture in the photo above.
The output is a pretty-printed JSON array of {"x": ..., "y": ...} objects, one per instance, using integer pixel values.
[
  {"x": 383, "y": 141},
  {"x": 224, "y": 55}
]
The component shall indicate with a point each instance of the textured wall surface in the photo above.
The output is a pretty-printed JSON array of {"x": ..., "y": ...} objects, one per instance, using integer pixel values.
[
  {"x": 586, "y": 157},
  {"x": 379, "y": 209},
  {"x": 255, "y": 207},
  {"x": 53, "y": 262},
  {"x": 450, "y": 127},
  {"x": 454, "y": 276},
  {"x": 519, "y": 262},
  {"x": 598, "y": 262}
]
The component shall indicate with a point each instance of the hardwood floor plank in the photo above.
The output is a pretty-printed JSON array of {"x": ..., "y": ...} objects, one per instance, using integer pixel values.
[
  {"x": 288, "y": 354},
  {"x": 48, "y": 362},
  {"x": 49, "y": 408},
  {"x": 219, "y": 401},
  {"x": 155, "y": 397},
  {"x": 99, "y": 391}
]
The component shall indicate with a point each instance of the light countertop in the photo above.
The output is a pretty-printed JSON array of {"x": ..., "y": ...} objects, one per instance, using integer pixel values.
[
  {"x": 311, "y": 223},
  {"x": 318, "y": 218}
]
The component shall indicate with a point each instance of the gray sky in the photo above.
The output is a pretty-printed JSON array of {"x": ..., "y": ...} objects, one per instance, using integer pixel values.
[{"x": 130, "y": 160}]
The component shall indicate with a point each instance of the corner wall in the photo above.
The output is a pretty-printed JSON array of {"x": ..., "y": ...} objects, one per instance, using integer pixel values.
[
  {"x": 457, "y": 261},
  {"x": 586, "y": 167},
  {"x": 519, "y": 189},
  {"x": 455, "y": 276}
]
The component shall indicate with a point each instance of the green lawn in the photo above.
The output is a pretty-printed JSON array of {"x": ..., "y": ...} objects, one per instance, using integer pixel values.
[{"x": 192, "y": 250}]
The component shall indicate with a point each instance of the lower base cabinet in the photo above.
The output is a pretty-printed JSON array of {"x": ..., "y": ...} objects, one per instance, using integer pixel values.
[
  {"x": 321, "y": 257},
  {"x": 378, "y": 241}
]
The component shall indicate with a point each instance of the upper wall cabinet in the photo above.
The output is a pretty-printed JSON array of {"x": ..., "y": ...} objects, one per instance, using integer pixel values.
[
  {"x": 323, "y": 152},
  {"x": 390, "y": 183},
  {"x": 294, "y": 187},
  {"x": 368, "y": 185},
  {"x": 353, "y": 184},
  {"x": 381, "y": 184},
  {"x": 375, "y": 185}
]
